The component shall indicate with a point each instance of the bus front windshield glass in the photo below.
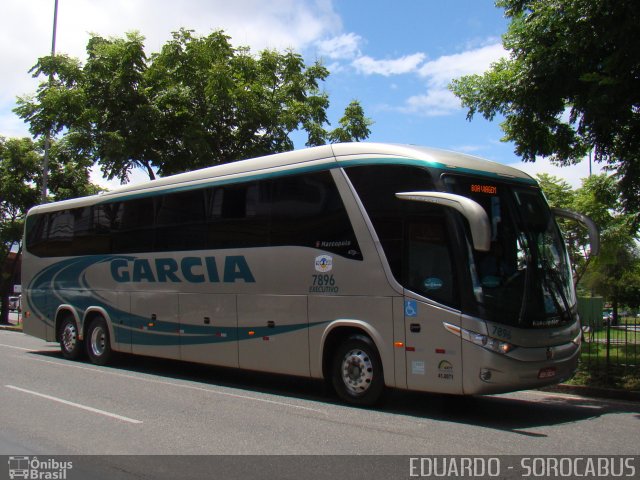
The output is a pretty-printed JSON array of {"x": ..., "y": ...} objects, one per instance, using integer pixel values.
[{"x": 525, "y": 279}]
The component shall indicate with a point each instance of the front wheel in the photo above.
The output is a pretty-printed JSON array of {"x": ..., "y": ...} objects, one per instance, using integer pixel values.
[
  {"x": 98, "y": 342},
  {"x": 70, "y": 345},
  {"x": 357, "y": 371}
]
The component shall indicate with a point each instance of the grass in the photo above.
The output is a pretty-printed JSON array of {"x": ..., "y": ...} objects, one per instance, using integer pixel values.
[
  {"x": 615, "y": 335},
  {"x": 622, "y": 369},
  {"x": 599, "y": 376}
]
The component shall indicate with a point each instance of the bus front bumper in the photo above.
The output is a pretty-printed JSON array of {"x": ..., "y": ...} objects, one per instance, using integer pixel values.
[{"x": 487, "y": 372}]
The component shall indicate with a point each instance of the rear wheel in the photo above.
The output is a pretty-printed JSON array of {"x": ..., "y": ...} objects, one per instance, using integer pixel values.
[
  {"x": 98, "y": 342},
  {"x": 357, "y": 371},
  {"x": 70, "y": 344}
]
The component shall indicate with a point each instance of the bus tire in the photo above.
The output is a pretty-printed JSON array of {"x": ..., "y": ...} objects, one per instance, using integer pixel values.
[
  {"x": 98, "y": 342},
  {"x": 357, "y": 371},
  {"x": 70, "y": 344}
]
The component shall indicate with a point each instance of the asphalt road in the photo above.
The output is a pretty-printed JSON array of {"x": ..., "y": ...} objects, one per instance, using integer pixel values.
[{"x": 148, "y": 406}]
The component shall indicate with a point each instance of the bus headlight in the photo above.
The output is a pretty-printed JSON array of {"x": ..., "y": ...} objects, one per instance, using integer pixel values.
[
  {"x": 485, "y": 341},
  {"x": 499, "y": 346},
  {"x": 490, "y": 343}
]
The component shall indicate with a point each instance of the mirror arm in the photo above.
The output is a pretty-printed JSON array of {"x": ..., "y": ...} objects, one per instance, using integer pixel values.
[
  {"x": 592, "y": 228},
  {"x": 471, "y": 210}
]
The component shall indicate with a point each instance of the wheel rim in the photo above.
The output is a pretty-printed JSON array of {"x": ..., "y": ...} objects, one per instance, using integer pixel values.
[
  {"x": 98, "y": 341},
  {"x": 69, "y": 337},
  {"x": 357, "y": 371}
]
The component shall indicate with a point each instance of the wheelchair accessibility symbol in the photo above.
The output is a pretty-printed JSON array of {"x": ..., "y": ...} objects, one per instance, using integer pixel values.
[{"x": 410, "y": 308}]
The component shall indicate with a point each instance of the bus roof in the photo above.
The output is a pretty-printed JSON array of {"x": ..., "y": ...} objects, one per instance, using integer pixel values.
[{"x": 327, "y": 156}]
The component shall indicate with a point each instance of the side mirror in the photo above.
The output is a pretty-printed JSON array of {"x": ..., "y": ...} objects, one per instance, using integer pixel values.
[
  {"x": 471, "y": 210},
  {"x": 592, "y": 228}
]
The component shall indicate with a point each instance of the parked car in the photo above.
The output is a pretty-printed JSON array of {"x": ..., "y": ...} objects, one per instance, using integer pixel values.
[{"x": 14, "y": 303}]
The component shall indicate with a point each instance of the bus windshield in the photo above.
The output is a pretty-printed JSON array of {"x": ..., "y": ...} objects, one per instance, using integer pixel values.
[{"x": 525, "y": 279}]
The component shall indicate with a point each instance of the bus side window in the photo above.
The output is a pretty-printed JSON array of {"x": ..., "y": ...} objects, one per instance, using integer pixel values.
[
  {"x": 377, "y": 185},
  {"x": 37, "y": 231},
  {"x": 307, "y": 211},
  {"x": 180, "y": 221},
  {"x": 135, "y": 233},
  {"x": 238, "y": 216},
  {"x": 428, "y": 266}
]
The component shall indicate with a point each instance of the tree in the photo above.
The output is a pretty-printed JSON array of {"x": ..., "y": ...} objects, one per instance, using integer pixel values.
[
  {"x": 20, "y": 180},
  {"x": 615, "y": 272},
  {"x": 569, "y": 86},
  {"x": 197, "y": 102},
  {"x": 354, "y": 126}
]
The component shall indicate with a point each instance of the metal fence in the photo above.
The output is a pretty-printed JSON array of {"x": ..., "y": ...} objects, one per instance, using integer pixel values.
[{"x": 610, "y": 350}]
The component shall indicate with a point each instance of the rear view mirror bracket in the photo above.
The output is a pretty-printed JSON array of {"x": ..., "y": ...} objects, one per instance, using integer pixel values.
[{"x": 471, "y": 210}]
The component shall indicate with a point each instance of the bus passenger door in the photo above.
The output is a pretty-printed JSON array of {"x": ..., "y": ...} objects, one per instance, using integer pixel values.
[
  {"x": 434, "y": 356},
  {"x": 155, "y": 324},
  {"x": 273, "y": 333},
  {"x": 208, "y": 329}
]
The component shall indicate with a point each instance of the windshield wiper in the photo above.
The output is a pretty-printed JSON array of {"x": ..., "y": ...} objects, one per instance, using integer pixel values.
[
  {"x": 525, "y": 241},
  {"x": 557, "y": 283}
]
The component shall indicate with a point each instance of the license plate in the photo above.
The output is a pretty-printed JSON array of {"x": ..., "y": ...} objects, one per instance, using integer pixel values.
[{"x": 548, "y": 372}]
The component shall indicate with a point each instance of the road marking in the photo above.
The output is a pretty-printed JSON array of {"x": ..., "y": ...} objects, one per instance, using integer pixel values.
[
  {"x": 189, "y": 387},
  {"x": 17, "y": 348},
  {"x": 77, "y": 405},
  {"x": 44, "y": 349}
]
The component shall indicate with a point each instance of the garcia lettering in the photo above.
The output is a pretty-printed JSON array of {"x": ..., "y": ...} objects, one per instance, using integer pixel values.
[{"x": 189, "y": 269}]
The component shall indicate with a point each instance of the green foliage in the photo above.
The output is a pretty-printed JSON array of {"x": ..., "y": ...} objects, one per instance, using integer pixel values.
[
  {"x": 557, "y": 191},
  {"x": 197, "y": 102},
  {"x": 20, "y": 180},
  {"x": 354, "y": 126},
  {"x": 20, "y": 177},
  {"x": 569, "y": 86},
  {"x": 18, "y": 174}
]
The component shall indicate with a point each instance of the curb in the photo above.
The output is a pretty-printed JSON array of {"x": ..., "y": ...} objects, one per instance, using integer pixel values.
[
  {"x": 11, "y": 328},
  {"x": 585, "y": 391}
]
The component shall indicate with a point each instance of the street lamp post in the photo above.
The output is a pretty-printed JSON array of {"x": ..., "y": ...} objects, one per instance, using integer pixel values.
[{"x": 47, "y": 139}]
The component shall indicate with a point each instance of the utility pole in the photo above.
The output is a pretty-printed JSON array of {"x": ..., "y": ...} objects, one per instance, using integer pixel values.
[{"x": 47, "y": 139}]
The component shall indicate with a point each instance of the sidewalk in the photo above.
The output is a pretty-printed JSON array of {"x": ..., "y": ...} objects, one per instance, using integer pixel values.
[
  {"x": 594, "y": 392},
  {"x": 14, "y": 323}
]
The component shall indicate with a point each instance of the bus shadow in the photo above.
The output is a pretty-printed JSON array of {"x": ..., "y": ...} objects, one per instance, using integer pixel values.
[{"x": 504, "y": 413}]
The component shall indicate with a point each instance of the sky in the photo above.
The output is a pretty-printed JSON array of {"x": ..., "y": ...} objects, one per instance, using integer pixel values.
[{"x": 396, "y": 58}]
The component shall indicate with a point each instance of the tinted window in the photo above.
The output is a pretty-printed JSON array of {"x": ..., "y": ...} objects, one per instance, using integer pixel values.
[
  {"x": 60, "y": 232},
  {"x": 85, "y": 239},
  {"x": 427, "y": 258},
  {"x": 307, "y": 211},
  {"x": 239, "y": 216},
  {"x": 181, "y": 221},
  {"x": 133, "y": 228},
  {"x": 36, "y": 233},
  {"x": 297, "y": 210},
  {"x": 414, "y": 235}
]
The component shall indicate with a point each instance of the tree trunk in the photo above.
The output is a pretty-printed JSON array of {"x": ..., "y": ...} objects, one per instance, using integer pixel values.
[{"x": 152, "y": 176}]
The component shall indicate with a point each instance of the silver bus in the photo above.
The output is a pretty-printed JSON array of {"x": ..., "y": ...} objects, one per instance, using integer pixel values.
[{"x": 367, "y": 265}]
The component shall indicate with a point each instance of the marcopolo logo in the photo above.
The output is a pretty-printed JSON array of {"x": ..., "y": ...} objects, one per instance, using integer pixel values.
[{"x": 188, "y": 269}]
